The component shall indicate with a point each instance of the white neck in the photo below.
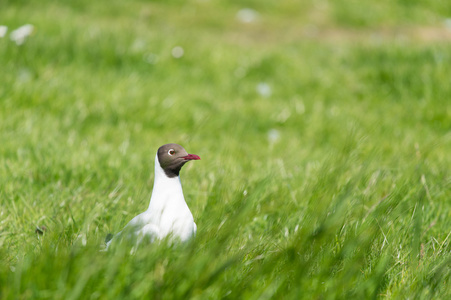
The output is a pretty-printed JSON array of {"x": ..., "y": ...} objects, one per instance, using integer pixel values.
[{"x": 166, "y": 191}]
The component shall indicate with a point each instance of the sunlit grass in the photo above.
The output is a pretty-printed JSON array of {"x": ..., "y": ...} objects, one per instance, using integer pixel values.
[{"x": 325, "y": 159}]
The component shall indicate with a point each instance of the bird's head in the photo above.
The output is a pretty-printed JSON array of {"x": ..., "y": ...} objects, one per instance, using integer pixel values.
[{"x": 172, "y": 157}]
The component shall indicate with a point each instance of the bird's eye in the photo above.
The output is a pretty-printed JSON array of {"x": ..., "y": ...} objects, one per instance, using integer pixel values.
[{"x": 171, "y": 152}]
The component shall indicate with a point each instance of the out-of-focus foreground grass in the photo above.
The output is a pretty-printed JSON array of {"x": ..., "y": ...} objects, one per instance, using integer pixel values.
[{"x": 323, "y": 127}]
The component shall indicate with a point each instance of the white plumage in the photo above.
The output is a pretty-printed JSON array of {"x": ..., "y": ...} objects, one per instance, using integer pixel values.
[{"x": 168, "y": 213}]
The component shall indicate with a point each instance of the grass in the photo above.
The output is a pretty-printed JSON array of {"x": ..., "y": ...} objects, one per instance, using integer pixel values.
[{"x": 324, "y": 134}]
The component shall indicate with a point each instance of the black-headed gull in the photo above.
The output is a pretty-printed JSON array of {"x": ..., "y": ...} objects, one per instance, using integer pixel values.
[{"x": 168, "y": 213}]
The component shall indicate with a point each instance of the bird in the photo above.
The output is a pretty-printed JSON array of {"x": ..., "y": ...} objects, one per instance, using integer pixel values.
[{"x": 167, "y": 214}]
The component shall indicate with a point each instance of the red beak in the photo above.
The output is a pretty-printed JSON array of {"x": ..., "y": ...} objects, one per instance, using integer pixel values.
[{"x": 191, "y": 157}]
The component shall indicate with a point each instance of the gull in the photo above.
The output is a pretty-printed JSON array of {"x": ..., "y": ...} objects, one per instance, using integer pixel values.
[{"x": 167, "y": 214}]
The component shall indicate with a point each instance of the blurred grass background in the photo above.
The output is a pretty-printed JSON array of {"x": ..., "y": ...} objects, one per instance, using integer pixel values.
[{"x": 323, "y": 128}]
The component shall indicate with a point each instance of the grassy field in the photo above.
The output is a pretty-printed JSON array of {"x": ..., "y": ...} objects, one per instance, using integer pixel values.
[{"x": 324, "y": 129}]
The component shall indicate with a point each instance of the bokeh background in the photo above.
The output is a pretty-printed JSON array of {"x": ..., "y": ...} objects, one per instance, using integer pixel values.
[{"x": 323, "y": 128}]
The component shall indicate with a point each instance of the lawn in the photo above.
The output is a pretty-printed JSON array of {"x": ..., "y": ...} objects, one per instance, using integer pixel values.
[{"x": 324, "y": 129}]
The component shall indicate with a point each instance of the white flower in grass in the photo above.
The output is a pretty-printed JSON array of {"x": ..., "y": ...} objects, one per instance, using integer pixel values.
[
  {"x": 247, "y": 15},
  {"x": 177, "y": 52},
  {"x": 3, "y": 30},
  {"x": 20, "y": 34},
  {"x": 264, "y": 89},
  {"x": 447, "y": 23},
  {"x": 273, "y": 136}
]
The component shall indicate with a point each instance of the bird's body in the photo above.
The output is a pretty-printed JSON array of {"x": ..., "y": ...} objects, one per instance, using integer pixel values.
[{"x": 167, "y": 214}]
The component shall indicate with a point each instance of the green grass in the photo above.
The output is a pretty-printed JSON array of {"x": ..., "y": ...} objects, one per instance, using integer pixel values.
[{"x": 335, "y": 185}]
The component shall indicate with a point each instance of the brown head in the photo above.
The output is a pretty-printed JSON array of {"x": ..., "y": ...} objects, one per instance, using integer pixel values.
[{"x": 172, "y": 157}]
